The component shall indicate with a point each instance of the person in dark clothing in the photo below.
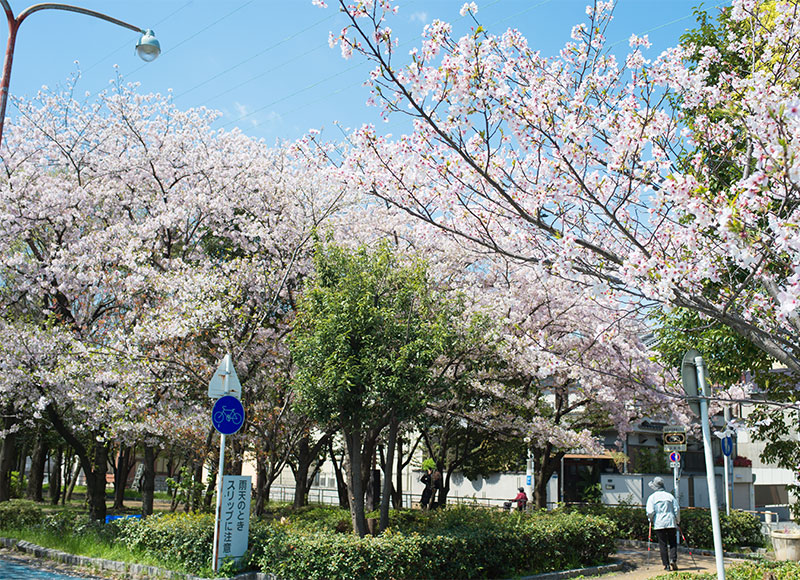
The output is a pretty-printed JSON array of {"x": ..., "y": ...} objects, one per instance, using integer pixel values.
[
  {"x": 664, "y": 512},
  {"x": 427, "y": 490}
]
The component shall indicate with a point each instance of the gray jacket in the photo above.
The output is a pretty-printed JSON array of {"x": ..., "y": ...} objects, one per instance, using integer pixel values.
[{"x": 662, "y": 510}]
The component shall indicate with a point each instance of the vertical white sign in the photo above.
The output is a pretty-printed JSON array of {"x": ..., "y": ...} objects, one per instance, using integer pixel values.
[{"x": 234, "y": 524}]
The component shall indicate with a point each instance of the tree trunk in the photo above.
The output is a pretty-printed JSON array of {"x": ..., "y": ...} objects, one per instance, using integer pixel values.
[
  {"x": 96, "y": 483},
  {"x": 38, "y": 458},
  {"x": 93, "y": 460},
  {"x": 197, "y": 481},
  {"x": 354, "y": 481},
  {"x": 341, "y": 484},
  {"x": 54, "y": 487},
  {"x": 370, "y": 476},
  {"x": 121, "y": 469},
  {"x": 73, "y": 479},
  {"x": 544, "y": 465},
  {"x": 397, "y": 488},
  {"x": 7, "y": 456},
  {"x": 148, "y": 488},
  {"x": 397, "y": 492},
  {"x": 261, "y": 485},
  {"x": 303, "y": 473},
  {"x": 197, "y": 495},
  {"x": 387, "y": 474},
  {"x": 234, "y": 462},
  {"x": 211, "y": 487},
  {"x": 300, "y": 471},
  {"x": 22, "y": 456}
]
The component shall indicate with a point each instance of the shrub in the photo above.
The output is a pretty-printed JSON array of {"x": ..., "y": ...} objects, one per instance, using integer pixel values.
[
  {"x": 62, "y": 522},
  {"x": 178, "y": 538},
  {"x": 739, "y": 529},
  {"x": 17, "y": 485},
  {"x": 631, "y": 521},
  {"x": 753, "y": 571},
  {"x": 760, "y": 570},
  {"x": 457, "y": 542},
  {"x": 19, "y": 513}
]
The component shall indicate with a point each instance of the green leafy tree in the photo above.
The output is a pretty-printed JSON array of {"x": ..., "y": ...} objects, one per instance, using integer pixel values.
[
  {"x": 727, "y": 354},
  {"x": 368, "y": 331}
]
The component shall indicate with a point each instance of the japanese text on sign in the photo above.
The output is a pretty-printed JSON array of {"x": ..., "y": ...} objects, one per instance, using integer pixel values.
[{"x": 235, "y": 516}]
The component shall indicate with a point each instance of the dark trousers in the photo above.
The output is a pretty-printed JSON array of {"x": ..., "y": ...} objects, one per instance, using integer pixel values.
[{"x": 667, "y": 537}]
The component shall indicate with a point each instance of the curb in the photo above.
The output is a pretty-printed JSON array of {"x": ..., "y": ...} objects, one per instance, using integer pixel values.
[{"x": 128, "y": 569}]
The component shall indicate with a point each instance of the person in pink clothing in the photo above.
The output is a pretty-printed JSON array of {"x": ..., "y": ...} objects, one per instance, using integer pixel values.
[{"x": 521, "y": 499}]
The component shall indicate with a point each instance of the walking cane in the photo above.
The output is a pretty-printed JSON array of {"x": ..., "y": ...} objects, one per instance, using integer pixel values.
[
  {"x": 649, "y": 536},
  {"x": 687, "y": 545}
]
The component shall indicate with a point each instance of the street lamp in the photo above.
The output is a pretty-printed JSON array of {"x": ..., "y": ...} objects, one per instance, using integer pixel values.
[{"x": 147, "y": 48}]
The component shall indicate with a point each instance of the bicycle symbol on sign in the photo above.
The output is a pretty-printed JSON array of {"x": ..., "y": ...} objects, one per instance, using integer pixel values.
[{"x": 227, "y": 414}]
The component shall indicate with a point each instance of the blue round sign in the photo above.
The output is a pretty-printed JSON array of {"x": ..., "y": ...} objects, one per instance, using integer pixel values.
[
  {"x": 727, "y": 445},
  {"x": 227, "y": 416}
]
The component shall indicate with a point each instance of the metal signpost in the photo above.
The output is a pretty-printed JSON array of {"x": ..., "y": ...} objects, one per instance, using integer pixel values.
[
  {"x": 227, "y": 416},
  {"x": 529, "y": 471},
  {"x": 674, "y": 437},
  {"x": 694, "y": 384},
  {"x": 726, "y": 444}
]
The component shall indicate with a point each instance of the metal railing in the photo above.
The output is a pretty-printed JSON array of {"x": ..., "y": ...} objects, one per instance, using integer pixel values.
[{"x": 330, "y": 496}]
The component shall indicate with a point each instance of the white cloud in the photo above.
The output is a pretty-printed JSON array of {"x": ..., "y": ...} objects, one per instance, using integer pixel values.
[
  {"x": 254, "y": 118},
  {"x": 421, "y": 17},
  {"x": 241, "y": 109}
]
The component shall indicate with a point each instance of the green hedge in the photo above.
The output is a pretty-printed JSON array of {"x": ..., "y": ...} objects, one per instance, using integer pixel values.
[
  {"x": 452, "y": 543},
  {"x": 183, "y": 540},
  {"x": 19, "y": 513},
  {"x": 631, "y": 521},
  {"x": 740, "y": 529}
]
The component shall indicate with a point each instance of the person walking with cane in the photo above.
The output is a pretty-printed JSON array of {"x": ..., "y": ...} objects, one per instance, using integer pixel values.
[{"x": 663, "y": 512}]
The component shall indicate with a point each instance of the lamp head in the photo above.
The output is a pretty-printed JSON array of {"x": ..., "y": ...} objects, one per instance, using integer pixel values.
[{"x": 148, "y": 47}]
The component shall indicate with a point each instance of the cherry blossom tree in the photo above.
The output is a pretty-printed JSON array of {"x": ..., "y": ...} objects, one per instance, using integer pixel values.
[
  {"x": 570, "y": 365},
  {"x": 156, "y": 243},
  {"x": 578, "y": 162}
]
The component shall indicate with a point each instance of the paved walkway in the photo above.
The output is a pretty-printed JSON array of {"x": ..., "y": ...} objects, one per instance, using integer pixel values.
[{"x": 641, "y": 565}]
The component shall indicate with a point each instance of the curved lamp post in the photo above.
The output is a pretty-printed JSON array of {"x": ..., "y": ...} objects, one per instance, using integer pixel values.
[{"x": 147, "y": 48}]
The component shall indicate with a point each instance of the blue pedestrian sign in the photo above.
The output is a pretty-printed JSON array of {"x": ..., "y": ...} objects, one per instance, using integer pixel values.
[{"x": 227, "y": 416}]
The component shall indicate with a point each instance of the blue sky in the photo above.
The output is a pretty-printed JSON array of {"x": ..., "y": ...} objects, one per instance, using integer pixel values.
[{"x": 267, "y": 65}]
